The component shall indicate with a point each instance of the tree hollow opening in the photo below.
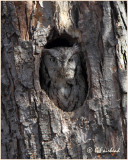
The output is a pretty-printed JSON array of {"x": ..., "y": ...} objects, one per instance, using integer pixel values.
[
  {"x": 62, "y": 72},
  {"x": 63, "y": 40}
]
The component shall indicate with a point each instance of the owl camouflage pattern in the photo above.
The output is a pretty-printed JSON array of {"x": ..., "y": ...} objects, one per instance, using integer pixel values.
[{"x": 63, "y": 78}]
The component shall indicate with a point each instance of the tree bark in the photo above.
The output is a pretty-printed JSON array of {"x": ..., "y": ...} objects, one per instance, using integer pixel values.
[{"x": 32, "y": 126}]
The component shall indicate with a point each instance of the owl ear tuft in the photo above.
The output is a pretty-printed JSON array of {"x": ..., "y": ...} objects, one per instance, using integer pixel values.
[{"x": 76, "y": 47}]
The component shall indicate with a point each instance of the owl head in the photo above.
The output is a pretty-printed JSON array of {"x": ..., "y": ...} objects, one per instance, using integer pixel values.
[{"x": 61, "y": 62}]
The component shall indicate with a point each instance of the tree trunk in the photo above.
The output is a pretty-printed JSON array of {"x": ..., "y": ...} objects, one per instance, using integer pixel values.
[{"x": 32, "y": 125}]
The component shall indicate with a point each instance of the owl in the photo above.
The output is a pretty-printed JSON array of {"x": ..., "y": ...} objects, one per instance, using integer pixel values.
[{"x": 62, "y": 77}]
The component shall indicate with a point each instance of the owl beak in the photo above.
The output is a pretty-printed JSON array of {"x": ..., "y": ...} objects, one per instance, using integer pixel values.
[{"x": 62, "y": 71}]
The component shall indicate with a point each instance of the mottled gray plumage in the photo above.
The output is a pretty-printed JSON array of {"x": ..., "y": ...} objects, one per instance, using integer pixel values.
[{"x": 62, "y": 74}]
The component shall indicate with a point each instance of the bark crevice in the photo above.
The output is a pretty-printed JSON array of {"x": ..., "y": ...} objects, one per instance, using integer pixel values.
[{"x": 32, "y": 125}]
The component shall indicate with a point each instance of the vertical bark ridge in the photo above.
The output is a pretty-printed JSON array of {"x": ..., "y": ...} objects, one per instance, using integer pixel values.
[{"x": 32, "y": 126}]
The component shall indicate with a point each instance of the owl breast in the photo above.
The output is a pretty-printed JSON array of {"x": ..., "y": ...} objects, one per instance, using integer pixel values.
[{"x": 63, "y": 79}]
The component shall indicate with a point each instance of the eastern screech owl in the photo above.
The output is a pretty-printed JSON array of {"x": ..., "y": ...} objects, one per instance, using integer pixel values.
[{"x": 63, "y": 79}]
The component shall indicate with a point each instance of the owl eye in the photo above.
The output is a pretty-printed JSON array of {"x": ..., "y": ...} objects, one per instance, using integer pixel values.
[
  {"x": 70, "y": 60},
  {"x": 52, "y": 59}
]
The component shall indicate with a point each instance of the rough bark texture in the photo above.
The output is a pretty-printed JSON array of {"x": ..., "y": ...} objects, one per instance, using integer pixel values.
[{"x": 32, "y": 126}]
